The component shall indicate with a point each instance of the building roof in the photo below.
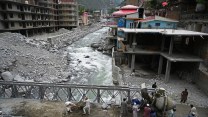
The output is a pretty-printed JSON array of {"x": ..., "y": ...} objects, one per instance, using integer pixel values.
[
  {"x": 129, "y": 7},
  {"x": 152, "y": 18},
  {"x": 124, "y": 12},
  {"x": 165, "y": 32}
]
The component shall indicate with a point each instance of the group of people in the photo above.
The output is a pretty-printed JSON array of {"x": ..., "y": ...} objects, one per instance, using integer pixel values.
[
  {"x": 136, "y": 105},
  {"x": 86, "y": 108}
]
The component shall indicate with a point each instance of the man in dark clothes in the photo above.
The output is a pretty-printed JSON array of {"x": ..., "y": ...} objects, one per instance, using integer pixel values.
[
  {"x": 154, "y": 85},
  {"x": 124, "y": 110},
  {"x": 184, "y": 96}
]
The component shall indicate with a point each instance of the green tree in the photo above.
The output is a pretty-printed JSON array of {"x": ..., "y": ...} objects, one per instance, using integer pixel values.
[
  {"x": 81, "y": 10},
  {"x": 111, "y": 10}
]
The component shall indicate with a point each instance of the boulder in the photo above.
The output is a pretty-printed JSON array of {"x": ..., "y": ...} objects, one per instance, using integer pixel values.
[
  {"x": 7, "y": 76},
  {"x": 95, "y": 45},
  {"x": 19, "y": 78}
]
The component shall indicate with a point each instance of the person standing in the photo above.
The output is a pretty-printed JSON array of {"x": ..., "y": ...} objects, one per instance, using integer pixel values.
[
  {"x": 170, "y": 113},
  {"x": 184, "y": 96},
  {"x": 124, "y": 110},
  {"x": 147, "y": 111},
  {"x": 193, "y": 111},
  {"x": 87, "y": 105},
  {"x": 154, "y": 85},
  {"x": 69, "y": 105},
  {"x": 153, "y": 112},
  {"x": 135, "y": 110}
]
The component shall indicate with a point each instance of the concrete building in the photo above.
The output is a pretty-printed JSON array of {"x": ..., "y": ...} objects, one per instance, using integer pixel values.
[
  {"x": 30, "y": 17},
  {"x": 187, "y": 12}
]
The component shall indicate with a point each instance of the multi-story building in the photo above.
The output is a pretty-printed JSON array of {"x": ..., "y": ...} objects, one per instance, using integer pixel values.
[
  {"x": 68, "y": 14},
  {"x": 35, "y": 16}
]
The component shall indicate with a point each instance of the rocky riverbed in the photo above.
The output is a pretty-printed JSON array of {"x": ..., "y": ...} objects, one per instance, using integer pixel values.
[{"x": 38, "y": 58}]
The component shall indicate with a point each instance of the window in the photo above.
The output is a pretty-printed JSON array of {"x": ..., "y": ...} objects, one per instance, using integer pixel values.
[
  {"x": 18, "y": 7},
  {"x": 157, "y": 24},
  {"x": 11, "y": 15},
  {"x": 10, "y": 6},
  {"x": 25, "y": 8},
  {"x": 12, "y": 24},
  {"x": 19, "y": 15},
  {"x": 20, "y": 24},
  {"x": 131, "y": 25}
]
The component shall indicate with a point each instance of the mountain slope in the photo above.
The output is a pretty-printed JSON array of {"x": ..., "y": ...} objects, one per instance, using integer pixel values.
[{"x": 99, "y": 4}]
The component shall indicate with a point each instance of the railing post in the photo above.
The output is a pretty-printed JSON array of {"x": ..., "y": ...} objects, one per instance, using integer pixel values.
[
  {"x": 41, "y": 92},
  {"x": 14, "y": 91},
  {"x": 28, "y": 92},
  {"x": 129, "y": 95},
  {"x": 98, "y": 95},
  {"x": 2, "y": 92},
  {"x": 69, "y": 94}
]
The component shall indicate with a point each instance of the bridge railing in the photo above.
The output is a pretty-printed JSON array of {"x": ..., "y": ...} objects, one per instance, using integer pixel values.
[{"x": 64, "y": 92}]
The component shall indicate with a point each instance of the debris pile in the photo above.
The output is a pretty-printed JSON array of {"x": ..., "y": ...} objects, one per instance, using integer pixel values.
[
  {"x": 25, "y": 59},
  {"x": 62, "y": 38}
]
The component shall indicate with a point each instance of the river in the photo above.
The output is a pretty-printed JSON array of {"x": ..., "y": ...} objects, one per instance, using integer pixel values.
[{"x": 88, "y": 66}]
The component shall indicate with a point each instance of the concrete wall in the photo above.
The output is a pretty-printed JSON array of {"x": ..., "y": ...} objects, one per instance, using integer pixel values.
[
  {"x": 28, "y": 17},
  {"x": 201, "y": 49},
  {"x": 116, "y": 73},
  {"x": 16, "y": 25},
  {"x": 2, "y": 25},
  {"x": 15, "y": 16},
  {"x": 128, "y": 23},
  {"x": 202, "y": 81},
  {"x": 163, "y": 24}
]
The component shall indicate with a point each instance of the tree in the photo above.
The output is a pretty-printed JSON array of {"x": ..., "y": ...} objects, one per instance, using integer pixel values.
[{"x": 81, "y": 10}]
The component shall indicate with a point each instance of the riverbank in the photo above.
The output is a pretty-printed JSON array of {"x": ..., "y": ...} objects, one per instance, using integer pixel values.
[{"x": 36, "y": 59}]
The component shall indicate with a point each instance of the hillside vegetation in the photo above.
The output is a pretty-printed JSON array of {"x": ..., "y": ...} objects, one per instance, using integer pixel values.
[{"x": 99, "y": 4}]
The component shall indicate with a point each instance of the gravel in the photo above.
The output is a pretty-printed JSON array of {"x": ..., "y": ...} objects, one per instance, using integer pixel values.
[{"x": 173, "y": 88}]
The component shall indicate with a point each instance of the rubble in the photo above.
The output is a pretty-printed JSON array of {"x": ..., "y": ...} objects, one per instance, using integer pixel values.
[{"x": 30, "y": 59}]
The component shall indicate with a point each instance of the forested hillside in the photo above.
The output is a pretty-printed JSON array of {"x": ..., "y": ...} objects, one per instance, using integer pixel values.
[{"x": 99, "y": 4}]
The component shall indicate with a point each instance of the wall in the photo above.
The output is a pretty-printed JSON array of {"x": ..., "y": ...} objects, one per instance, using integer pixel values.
[
  {"x": 128, "y": 23},
  {"x": 202, "y": 81},
  {"x": 163, "y": 24},
  {"x": 201, "y": 49}
]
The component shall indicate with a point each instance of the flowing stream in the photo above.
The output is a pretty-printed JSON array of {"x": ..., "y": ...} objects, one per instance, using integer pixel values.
[{"x": 89, "y": 66}]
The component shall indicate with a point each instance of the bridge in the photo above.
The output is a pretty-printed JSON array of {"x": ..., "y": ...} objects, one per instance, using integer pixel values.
[{"x": 65, "y": 92}]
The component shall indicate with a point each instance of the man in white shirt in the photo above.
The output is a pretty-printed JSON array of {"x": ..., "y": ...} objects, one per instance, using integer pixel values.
[
  {"x": 193, "y": 111},
  {"x": 69, "y": 105},
  {"x": 87, "y": 105}
]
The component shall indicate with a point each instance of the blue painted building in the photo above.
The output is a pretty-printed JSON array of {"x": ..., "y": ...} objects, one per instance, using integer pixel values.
[{"x": 157, "y": 22}]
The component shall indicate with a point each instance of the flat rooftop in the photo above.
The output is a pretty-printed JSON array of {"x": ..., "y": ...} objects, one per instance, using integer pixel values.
[{"x": 165, "y": 32}]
